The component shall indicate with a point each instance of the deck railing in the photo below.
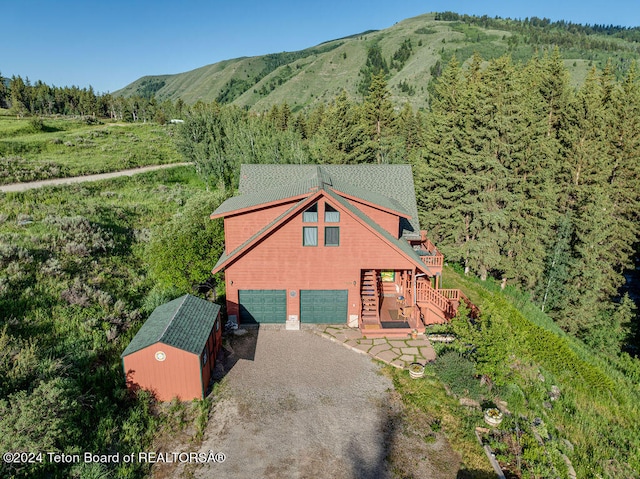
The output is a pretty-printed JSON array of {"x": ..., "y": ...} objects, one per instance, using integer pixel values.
[
  {"x": 453, "y": 294},
  {"x": 459, "y": 296},
  {"x": 435, "y": 257},
  {"x": 437, "y": 260},
  {"x": 426, "y": 294}
]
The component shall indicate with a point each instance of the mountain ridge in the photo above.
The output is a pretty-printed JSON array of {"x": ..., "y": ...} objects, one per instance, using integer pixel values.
[{"x": 318, "y": 73}]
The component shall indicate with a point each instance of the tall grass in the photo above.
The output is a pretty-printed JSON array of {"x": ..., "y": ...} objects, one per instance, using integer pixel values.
[
  {"x": 598, "y": 405},
  {"x": 69, "y": 147},
  {"x": 72, "y": 289}
]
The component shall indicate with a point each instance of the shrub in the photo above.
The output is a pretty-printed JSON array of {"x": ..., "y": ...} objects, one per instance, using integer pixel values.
[
  {"x": 458, "y": 373},
  {"x": 180, "y": 252},
  {"x": 36, "y": 124}
]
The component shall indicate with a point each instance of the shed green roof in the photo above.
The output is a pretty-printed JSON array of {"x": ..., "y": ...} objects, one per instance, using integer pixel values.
[{"x": 184, "y": 323}]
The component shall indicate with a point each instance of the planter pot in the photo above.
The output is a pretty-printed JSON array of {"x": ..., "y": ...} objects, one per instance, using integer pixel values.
[
  {"x": 416, "y": 370},
  {"x": 493, "y": 417}
]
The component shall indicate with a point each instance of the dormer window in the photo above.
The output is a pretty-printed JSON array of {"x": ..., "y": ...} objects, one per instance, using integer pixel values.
[
  {"x": 311, "y": 214},
  {"x": 331, "y": 215}
]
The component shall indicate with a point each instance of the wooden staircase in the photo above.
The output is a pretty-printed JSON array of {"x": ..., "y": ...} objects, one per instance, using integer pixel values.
[
  {"x": 370, "y": 294},
  {"x": 439, "y": 306}
]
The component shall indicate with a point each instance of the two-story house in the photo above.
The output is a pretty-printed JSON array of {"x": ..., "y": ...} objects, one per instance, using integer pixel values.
[{"x": 336, "y": 244}]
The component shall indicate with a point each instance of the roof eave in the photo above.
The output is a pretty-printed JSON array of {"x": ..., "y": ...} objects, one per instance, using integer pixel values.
[
  {"x": 351, "y": 210},
  {"x": 239, "y": 211}
]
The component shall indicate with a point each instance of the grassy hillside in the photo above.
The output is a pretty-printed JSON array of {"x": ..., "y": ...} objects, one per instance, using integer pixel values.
[
  {"x": 317, "y": 74},
  {"x": 561, "y": 398},
  {"x": 35, "y": 149}
]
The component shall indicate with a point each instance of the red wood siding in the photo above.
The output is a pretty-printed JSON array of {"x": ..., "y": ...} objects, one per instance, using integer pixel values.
[
  {"x": 388, "y": 221},
  {"x": 239, "y": 228},
  {"x": 212, "y": 347},
  {"x": 178, "y": 375},
  {"x": 281, "y": 262}
]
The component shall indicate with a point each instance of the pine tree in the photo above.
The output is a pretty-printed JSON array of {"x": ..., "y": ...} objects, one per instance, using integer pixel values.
[
  {"x": 342, "y": 137},
  {"x": 529, "y": 155},
  {"x": 380, "y": 118},
  {"x": 603, "y": 235},
  {"x": 3, "y": 92},
  {"x": 455, "y": 177}
]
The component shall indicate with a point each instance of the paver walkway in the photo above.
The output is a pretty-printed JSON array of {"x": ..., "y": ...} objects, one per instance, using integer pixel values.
[{"x": 396, "y": 352}]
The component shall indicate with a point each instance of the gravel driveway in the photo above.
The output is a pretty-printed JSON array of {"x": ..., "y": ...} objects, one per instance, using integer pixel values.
[{"x": 302, "y": 407}]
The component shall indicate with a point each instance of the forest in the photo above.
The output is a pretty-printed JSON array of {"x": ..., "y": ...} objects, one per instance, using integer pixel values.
[
  {"x": 26, "y": 99},
  {"x": 528, "y": 185}
]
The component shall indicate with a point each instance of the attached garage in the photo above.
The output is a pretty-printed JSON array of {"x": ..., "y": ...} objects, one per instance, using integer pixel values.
[
  {"x": 262, "y": 306},
  {"x": 328, "y": 306}
]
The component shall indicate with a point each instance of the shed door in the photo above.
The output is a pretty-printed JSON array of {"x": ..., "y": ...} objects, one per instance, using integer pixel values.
[
  {"x": 327, "y": 306},
  {"x": 262, "y": 306}
]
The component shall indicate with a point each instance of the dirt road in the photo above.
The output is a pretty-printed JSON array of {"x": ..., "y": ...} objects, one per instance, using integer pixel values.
[{"x": 14, "y": 187}]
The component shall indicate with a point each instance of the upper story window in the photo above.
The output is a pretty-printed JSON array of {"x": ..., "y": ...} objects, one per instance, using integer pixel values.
[
  {"x": 331, "y": 236},
  {"x": 310, "y": 236},
  {"x": 311, "y": 214},
  {"x": 331, "y": 215}
]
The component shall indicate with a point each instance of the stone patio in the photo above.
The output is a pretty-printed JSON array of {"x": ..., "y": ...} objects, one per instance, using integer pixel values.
[{"x": 396, "y": 352}]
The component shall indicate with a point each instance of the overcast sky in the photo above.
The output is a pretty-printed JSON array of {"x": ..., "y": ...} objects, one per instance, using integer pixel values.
[{"x": 109, "y": 44}]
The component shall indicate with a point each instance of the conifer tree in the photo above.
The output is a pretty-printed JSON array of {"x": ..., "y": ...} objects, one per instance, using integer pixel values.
[
  {"x": 603, "y": 237},
  {"x": 342, "y": 137},
  {"x": 529, "y": 156},
  {"x": 379, "y": 116},
  {"x": 3, "y": 92}
]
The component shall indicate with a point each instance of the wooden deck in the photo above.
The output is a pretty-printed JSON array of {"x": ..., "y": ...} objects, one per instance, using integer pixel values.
[{"x": 391, "y": 323}]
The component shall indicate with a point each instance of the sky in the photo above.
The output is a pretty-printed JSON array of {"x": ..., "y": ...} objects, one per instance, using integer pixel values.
[{"x": 111, "y": 43}]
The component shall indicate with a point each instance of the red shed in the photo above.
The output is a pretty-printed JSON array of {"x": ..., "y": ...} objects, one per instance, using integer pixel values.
[
  {"x": 173, "y": 353},
  {"x": 331, "y": 244}
]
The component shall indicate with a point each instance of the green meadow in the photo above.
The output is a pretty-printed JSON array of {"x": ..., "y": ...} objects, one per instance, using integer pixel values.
[{"x": 53, "y": 147}]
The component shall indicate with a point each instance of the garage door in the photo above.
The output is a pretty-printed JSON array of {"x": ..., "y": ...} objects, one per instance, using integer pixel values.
[
  {"x": 323, "y": 306},
  {"x": 262, "y": 306}
]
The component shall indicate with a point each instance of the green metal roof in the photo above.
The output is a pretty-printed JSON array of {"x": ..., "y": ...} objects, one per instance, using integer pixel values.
[
  {"x": 184, "y": 323},
  {"x": 389, "y": 186}
]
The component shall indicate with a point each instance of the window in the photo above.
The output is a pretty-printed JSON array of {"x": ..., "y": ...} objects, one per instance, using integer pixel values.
[
  {"x": 331, "y": 236},
  {"x": 331, "y": 215},
  {"x": 311, "y": 214},
  {"x": 204, "y": 358},
  {"x": 310, "y": 236}
]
